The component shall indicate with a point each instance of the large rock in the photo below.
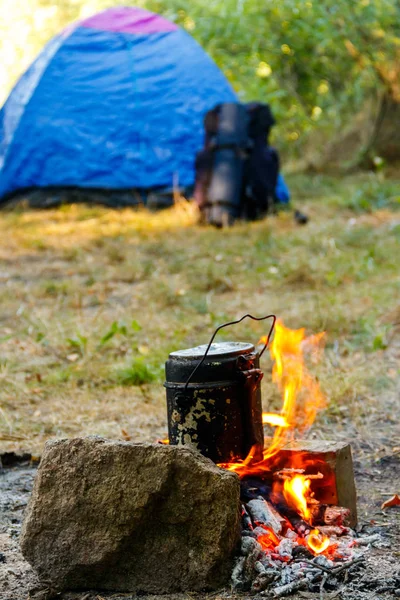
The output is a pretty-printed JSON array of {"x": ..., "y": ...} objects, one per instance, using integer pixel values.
[{"x": 130, "y": 517}]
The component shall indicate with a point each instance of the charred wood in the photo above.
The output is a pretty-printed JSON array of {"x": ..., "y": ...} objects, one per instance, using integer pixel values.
[
  {"x": 237, "y": 572},
  {"x": 334, "y": 461},
  {"x": 298, "y": 524},
  {"x": 246, "y": 520},
  {"x": 323, "y": 514},
  {"x": 289, "y": 473},
  {"x": 263, "y": 581},
  {"x": 289, "y": 588},
  {"x": 249, "y": 544},
  {"x": 369, "y": 539},
  {"x": 262, "y": 513},
  {"x": 279, "y": 518},
  {"x": 332, "y": 530},
  {"x": 336, "y": 515}
]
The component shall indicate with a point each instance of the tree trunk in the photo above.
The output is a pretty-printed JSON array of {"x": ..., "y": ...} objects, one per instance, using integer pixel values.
[{"x": 385, "y": 141}]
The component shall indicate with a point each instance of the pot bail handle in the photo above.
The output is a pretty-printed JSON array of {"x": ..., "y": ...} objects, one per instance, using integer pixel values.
[{"x": 273, "y": 317}]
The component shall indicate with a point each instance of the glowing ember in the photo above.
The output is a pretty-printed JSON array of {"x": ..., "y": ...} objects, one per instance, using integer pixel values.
[
  {"x": 317, "y": 541},
  {"x": 269, "y": 540},
  {"x": 295, "y": 491}
]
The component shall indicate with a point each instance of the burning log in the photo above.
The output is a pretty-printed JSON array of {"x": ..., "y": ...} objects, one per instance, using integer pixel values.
[
  {"x": 263, "y": 513},
  {"x": 298, "y": 524},
  {"x": 334, "y": 461},
  {"x": 289, "y": 472},
  {"x": 283, "y": 522},
  {"x": 335, "y": 516}
]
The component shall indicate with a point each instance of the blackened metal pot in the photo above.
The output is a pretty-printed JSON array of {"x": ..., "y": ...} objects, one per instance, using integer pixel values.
[{"x": 214, "y": 401}]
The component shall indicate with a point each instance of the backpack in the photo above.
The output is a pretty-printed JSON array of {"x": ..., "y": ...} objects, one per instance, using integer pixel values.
[{"x": 237, "y": 171}]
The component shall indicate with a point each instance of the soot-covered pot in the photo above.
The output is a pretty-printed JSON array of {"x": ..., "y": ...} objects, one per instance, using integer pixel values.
[{"x": 214, "y": 406}]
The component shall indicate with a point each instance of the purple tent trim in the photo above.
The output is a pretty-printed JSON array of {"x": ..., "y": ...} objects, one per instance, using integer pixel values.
[{"x": 129, "y": 20}]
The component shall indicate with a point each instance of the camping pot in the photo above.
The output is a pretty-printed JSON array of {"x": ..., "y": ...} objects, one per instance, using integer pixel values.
[{"x": 214, "y": 398}]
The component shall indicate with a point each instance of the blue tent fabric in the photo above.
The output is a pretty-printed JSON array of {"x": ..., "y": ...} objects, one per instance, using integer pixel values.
[
  {"x": 12, "y": 111},
  {"x": 113, "y": 109}
]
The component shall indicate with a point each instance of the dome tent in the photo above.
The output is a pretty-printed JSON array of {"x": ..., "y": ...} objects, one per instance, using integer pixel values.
[{"x": 115, "y": 101}]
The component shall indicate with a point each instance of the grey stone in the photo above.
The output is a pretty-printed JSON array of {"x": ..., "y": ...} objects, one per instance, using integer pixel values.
[{"x": 131, "y": 517}]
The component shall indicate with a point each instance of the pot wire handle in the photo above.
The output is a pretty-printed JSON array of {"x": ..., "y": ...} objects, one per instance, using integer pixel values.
[{"x": 273, "y": 317}]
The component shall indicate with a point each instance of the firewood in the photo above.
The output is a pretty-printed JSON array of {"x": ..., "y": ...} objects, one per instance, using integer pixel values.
[
  {"x": 246, "y": 520},
  {"x": 281, "y": 519},
  {"x": 237, "y": 573},
  {"x": 249, "y": 569},
  {"x": 317, "y": 514},
  {"x": 331, "y": 530},
  {"x": 322, "y": 514},
  {"x": 336, "y": 515},
  {"x": 294, "y": 519},
  {"x": 261, "y": 514},
  {"x": 289, "y": 588},
  {"x": 248, "y": 545},
  {"x": 289, "y": 473},
  {"x": 334, "y": 461}
]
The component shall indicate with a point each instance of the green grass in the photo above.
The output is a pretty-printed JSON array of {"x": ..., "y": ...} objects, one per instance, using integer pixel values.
[
  {"x": 94, "y": 300},
  {"x": 137, "y": 373}
]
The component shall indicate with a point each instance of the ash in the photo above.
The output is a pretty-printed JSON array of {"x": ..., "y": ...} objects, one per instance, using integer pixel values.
[{"x": 275, "y": 559}]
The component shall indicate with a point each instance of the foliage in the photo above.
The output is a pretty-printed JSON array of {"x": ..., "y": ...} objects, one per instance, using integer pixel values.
[{"x": 317, "y": 62}]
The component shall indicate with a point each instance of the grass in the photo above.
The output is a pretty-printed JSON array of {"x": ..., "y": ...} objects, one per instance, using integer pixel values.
[{"x": 93, "y": 301}]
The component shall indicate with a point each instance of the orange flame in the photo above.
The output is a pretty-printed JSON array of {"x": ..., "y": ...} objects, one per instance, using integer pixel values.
[
  {"x": 295, "y": 491},
  {"x": 300, "y": 392},
  {"x": 317, "y": 541},
  {"x": 291, "y": 376}
]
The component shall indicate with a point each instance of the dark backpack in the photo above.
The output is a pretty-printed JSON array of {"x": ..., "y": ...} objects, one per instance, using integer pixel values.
[{"x": 237, "y": 171}]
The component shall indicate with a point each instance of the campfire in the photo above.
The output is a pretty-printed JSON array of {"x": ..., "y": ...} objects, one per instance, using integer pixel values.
[
  {"x": 289, "y": 537},
  {"x": 275, "y": 516},
  {"x": 298, "y": 498}
]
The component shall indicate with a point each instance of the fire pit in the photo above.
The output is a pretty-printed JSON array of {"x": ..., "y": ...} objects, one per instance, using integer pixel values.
[
  {"x": 274, "y": 516},
  {"x": 298, "y": 498}
]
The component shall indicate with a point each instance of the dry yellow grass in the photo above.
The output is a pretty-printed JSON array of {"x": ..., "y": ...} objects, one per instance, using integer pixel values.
[{"x": 93, "y": 300}]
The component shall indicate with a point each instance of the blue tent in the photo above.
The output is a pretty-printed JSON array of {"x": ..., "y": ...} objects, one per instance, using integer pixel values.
[{"x": 115, "y": 101}]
